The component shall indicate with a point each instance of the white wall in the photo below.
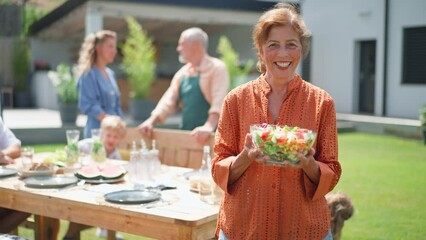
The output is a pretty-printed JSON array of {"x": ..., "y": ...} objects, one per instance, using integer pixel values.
[
  {"x": 337, "y": 26},
  {"x": 404, "y": 100},
  {"x": 54, "y": 51}
]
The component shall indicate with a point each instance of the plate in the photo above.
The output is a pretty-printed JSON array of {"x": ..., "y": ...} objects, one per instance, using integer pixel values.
[
  {"x": 25, "y": 174},
  {"x": 102, "y": 180},
  {"x": 7, "y": 172},
  {"x": 132, "y": 196},
  {"x": 50, "y": 181}
]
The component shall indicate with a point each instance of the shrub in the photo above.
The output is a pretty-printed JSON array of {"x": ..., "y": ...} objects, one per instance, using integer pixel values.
[
  {"x": 138, "y": 60},
  {"x": 237, "y": 74}
]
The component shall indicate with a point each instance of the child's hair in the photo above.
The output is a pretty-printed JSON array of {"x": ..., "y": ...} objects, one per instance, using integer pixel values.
[{"x": 114, "y": 123}]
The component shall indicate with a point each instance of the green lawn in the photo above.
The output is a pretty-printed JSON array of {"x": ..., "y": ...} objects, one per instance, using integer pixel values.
[{"x": 385, "y": 177}]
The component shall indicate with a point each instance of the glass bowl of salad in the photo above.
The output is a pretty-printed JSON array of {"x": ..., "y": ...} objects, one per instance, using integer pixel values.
[{"x": 282, "y": 142}]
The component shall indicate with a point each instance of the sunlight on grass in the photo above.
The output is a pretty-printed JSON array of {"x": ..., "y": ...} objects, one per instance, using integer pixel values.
[{"x": 384, "y": 176}]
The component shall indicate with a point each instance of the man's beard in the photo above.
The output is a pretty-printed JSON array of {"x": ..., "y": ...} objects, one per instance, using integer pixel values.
[{"x": 182, "y": 59}]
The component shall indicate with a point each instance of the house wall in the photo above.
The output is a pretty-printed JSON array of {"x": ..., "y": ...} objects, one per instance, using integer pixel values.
[
  {"x": 337, "y": 27},
  {"x": 53, "y": 51},
  {"x": 404, "y": 100}
]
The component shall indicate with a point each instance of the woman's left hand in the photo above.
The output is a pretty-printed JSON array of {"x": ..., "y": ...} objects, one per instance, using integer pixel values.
[{"x": 309, "y": 165}]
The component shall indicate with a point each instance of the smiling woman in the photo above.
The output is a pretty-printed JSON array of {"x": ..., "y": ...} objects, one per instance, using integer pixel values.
[{"x": 287, "y": 199}]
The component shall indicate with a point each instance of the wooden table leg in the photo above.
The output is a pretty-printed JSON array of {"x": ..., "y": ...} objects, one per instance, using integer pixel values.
[
  {"x": 111, "y": 235},
  {"x": 45, "y": 228}
]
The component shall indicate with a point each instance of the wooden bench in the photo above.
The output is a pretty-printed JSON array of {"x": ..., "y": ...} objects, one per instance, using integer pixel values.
[{"x": 176, "y": 147}]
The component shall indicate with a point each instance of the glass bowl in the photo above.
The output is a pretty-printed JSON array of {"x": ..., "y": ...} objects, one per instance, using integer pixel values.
[{"x": 281, "y": 143}]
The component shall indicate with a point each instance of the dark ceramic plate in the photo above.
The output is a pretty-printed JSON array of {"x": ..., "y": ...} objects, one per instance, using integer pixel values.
[{"x": 132, "y": 196}]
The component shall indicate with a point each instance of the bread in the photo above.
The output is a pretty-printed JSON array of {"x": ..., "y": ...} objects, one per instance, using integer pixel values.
[{"x": 41, "y": 166}]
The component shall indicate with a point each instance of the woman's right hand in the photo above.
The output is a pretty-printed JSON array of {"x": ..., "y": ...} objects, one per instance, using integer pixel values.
[
  {"x": 240, "y": 164},
  {"x": 251, "y": 151}
]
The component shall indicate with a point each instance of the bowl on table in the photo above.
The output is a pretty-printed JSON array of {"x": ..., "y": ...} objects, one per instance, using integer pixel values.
[{"x": 282, "y": 143}]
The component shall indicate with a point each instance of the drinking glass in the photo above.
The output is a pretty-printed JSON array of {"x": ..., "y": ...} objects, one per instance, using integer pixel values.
[
  {"x": 97, "y": 153},
  {"x": 27, "y": 154},
  {"x": 96, "y": 133},
  {"x": 72, "y": 146},
  {"x": 72, "y": 136}
]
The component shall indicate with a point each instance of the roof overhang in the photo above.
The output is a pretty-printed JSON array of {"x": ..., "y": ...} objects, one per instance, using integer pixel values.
[{"x": 163, "y": 19}]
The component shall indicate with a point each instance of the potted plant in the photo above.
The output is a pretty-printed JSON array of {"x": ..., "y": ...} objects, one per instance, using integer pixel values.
[
  {"x": 139, "y": 66},
  {"x": 64, "y": 80},
  {"x": 422, "y": 118},
  {"x": 21, "y": 72},
  {"x": 237, "y": 73}
]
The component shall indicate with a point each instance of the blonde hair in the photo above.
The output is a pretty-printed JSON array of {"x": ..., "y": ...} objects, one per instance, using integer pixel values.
[
  {"x": 280, "y": 15},
  {"x": 87, "y": 55},
  {"x": 114, "y": 123}
]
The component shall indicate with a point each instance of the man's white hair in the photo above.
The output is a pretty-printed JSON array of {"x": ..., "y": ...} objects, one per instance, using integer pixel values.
[{"x": 196, "y": 34}]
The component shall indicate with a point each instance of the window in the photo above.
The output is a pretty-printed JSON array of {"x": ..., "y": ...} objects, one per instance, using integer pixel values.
[{"x": 414, "y": 68}]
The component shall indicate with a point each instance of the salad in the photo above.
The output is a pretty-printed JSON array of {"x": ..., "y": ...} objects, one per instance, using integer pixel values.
[{"x": 282, "y": 142}]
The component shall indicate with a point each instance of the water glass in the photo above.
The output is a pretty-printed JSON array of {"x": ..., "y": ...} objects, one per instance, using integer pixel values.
[
  {"x": 72, "y": 136},
  {"x": 72, "y": 146},
  {"x": 97, "y": 153},
  {"x": 96, "y": 133},
  {"x": 27, "y": 154}
]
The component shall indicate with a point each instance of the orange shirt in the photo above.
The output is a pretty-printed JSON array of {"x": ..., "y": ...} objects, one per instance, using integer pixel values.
[{"x": 270, "y": 202}]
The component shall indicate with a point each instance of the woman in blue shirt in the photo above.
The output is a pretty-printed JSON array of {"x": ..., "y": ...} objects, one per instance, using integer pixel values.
[{"x": 98, "y": 91}]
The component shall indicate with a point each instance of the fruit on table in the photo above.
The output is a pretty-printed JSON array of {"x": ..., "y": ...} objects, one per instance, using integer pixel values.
[{"x": 97, "y": 172}]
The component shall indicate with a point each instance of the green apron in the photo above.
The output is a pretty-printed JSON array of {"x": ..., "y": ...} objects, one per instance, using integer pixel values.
[{"x": 195, "y": 106}]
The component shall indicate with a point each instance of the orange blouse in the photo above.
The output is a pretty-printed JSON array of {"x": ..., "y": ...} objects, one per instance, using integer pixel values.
[{"x": 270, "y": 202}]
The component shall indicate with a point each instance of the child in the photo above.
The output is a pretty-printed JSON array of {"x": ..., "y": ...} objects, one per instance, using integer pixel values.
[{"x": 113, "y": 130}]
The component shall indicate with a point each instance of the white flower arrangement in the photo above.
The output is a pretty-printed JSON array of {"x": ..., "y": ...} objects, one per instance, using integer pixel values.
[{"x": 64, "y": 80}]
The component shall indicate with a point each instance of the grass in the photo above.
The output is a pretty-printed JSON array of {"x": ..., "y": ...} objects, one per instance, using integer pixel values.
[{"x": 384, "y": 176}]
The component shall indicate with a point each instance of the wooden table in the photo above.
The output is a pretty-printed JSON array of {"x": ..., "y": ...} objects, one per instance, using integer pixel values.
[{"x": 185, "y": 217}]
